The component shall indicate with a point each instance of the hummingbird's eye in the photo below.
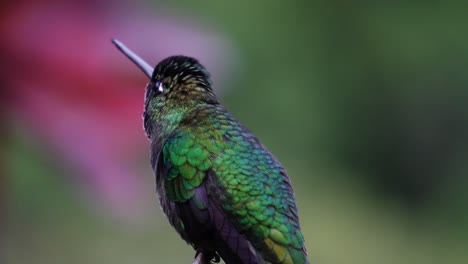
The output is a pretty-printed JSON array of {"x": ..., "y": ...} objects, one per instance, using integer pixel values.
[{"x": 159, "y": 87}]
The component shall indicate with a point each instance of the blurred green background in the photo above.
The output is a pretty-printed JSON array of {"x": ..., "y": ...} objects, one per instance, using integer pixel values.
[{"x": 366, "y": 107}]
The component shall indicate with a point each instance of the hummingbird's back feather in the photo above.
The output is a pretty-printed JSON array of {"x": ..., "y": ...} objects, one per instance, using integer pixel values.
[
  {"x": 194, "y": 213},
  {"x": 229, "y": 194}
]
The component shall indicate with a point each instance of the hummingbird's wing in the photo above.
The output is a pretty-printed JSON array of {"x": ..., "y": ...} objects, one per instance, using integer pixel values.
[
  {"x": 182, "y": 173},
  {"x": 219, "y": 168}
]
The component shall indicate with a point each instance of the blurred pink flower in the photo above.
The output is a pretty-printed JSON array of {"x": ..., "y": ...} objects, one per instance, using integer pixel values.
[{"x": 75, "y": 91}]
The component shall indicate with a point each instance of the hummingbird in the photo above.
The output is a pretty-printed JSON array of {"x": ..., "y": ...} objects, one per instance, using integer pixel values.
[{"x": 220, "y": 188}]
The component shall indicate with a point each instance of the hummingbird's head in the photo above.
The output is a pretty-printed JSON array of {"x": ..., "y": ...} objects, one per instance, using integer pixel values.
[
  {"x": 177, "y": 85},
  {"x": 180, "y": 81}
]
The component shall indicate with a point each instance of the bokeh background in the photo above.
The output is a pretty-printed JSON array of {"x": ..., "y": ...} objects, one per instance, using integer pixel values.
[{"x": 366, "y": 107}]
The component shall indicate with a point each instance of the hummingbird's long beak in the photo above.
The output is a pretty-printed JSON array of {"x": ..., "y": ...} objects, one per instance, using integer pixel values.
[{"x": 143, "y": 65}]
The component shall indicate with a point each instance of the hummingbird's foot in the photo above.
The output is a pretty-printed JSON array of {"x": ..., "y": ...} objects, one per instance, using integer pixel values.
[
  {"x": 206, "y": 258},
  {"x": 216, "y": 259},
  {"x": 198, "y": 258}
]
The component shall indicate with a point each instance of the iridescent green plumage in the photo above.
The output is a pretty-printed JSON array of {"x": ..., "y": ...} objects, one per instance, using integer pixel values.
[{"x": 221, "y": 189}]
